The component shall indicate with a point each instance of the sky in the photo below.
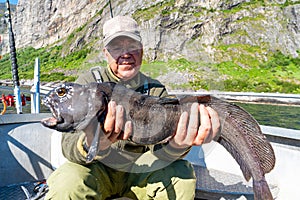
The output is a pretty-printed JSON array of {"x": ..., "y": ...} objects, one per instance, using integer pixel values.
[{"x": 10, "y": 1}]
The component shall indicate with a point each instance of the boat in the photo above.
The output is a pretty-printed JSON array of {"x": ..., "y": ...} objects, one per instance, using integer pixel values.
[{"x": 31, "y": 152}]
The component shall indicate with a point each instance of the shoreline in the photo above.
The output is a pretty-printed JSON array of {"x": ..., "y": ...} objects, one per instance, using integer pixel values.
[{"x": 28, "y": 83}]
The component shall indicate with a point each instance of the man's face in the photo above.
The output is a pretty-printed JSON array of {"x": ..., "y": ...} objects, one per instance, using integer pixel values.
[{"x": 124, "y": 56}]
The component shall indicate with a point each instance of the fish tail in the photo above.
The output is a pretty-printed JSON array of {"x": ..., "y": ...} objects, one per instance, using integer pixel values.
[{"x": 262, "y": 190}]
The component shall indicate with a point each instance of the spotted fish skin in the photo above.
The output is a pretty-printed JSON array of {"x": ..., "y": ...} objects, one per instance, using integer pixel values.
[{"x": 155, "y": 120}]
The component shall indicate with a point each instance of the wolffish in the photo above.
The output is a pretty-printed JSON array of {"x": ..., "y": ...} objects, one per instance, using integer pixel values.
[{"x": 155, "y": 119}]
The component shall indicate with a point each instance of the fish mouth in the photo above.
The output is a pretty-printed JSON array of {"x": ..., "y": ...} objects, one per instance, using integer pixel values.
[
  {"x": 50, "y": 122},
  {"x": 53, "y": 121}
]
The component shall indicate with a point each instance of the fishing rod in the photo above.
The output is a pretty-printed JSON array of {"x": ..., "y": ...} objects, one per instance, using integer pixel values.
[
  {"x": 13, "y": 58},
  {"x": 110, "y": 8}
]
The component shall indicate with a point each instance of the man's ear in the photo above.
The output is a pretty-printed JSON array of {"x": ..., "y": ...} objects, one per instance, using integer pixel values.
[{"x": 107, "y": 55}]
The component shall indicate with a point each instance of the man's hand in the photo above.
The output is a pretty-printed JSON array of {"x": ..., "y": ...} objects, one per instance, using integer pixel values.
[
  {"x": 115, "y": 127},
  {"x": 189, "y": 132}
]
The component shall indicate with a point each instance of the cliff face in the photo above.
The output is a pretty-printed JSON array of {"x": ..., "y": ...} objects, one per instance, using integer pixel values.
[
  {"x": 3, "y": 27},
  {"x": 213, "y": 31},
  {"x": 43, "y": 22}
]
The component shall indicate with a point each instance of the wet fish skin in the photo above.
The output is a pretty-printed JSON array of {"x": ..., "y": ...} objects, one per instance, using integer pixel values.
[{"x": 155, "y": 119}]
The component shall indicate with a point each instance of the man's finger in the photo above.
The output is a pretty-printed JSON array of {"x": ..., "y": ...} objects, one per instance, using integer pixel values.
[
  {"x": 193, "y": 123},
  {"x": 215, "y": 122},
  {"x": 119, "y": 123},
  {"x": 127, "y": 130},
  {"x": 109, "y": 123},
  {"x": 205, "y": 127},
  {"x": 181, "y": 127}
]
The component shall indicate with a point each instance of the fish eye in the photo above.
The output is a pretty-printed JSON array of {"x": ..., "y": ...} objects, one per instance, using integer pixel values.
[{"x": 61, "y": 92}]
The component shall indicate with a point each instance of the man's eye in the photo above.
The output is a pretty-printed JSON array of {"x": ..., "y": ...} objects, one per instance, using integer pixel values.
[
  {"x": 133, "y": 49},
  {"x": 61, "y": 92},
  {"x": 116, "y": 49}
]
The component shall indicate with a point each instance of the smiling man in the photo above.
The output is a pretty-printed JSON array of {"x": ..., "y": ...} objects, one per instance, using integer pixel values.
[
  {"x": 123, "y": 47},
  {"x": 125, "y": 57},
  {"x": 122, "y": 168}
]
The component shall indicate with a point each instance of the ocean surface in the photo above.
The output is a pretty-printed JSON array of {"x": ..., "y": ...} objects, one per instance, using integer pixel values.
[{"x": 274, "y": 115}]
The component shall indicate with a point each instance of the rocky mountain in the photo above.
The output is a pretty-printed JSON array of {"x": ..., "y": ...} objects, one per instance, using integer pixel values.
[
  {"x": 212, "y": 31},
  {"x": 3, "y": 9},
  {"x": 3, "y": 27},
  {"x": 2, "y": 22}
]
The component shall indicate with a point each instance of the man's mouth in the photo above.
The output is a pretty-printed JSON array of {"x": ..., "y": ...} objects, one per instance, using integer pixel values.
[
  {"x": 126, "y": 61},
  {"x": 126, "y": 65}
]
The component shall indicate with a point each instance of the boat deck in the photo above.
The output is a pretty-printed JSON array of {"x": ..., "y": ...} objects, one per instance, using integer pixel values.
[{"x": 15, "y": 191}]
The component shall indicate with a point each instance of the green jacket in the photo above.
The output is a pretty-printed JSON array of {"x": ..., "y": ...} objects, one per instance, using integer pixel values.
[{"x": 122, "y": 153}]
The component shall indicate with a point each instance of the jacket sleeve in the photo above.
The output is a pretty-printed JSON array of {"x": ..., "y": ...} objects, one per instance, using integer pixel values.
[
  {"x": 70, "y": 143},
  {"x": 166, "y": 152},
  {"x": 74, "y": 150}
]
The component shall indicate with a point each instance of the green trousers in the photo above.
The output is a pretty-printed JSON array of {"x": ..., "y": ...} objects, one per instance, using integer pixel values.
[{"x": 97, "y": 181}]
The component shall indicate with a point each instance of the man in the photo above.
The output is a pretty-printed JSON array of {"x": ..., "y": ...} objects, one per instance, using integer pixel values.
[{"x": 122, "y": 168}]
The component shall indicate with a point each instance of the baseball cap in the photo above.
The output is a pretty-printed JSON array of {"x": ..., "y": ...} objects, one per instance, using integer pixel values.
[{"x": 120, "y": 26}]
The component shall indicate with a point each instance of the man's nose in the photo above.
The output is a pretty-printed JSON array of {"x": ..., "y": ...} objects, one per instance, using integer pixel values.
[{"x": 125, "y": 54}]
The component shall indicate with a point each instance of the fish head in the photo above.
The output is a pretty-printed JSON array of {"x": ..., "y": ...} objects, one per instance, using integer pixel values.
[{"x": 73, "y": 106}]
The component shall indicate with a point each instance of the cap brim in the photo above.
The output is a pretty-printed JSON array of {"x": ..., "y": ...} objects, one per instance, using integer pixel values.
[{"x": 106, "y": 41}]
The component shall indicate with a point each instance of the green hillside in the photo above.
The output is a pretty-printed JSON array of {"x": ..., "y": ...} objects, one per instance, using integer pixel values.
[{"x": 280, "y": 74}]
